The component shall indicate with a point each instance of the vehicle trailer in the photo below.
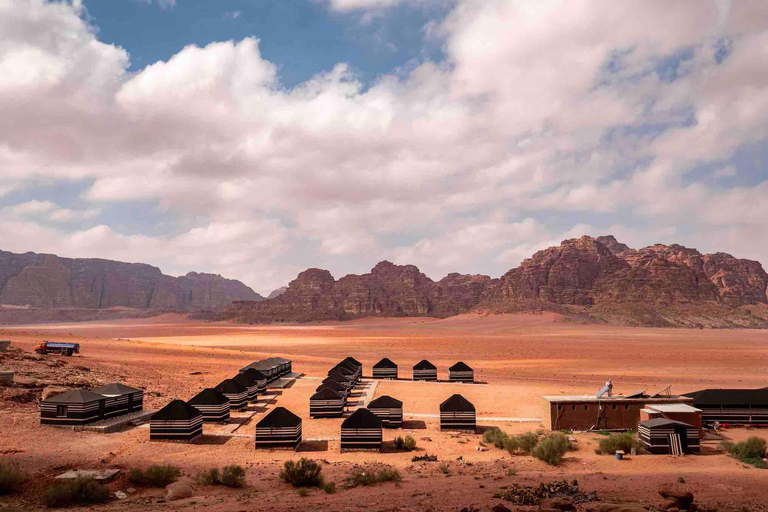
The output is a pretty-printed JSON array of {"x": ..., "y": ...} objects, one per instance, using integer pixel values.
[{"x": 53, "y": 347}]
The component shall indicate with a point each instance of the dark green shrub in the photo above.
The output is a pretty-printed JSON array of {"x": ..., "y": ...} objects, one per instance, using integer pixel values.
[
  {"x": 495, "y": 437},
  {"x": 330, "y": 488},
  {"x": 424, "y": 458},
  {"x": 304, "y": 473},
  {"x": 154, "y": 476},
  {"x": 80, "y": 491},
  {"x": 527, "y": 441},
  {"x": 624, "y": 441},
  {"x": 208, "y": 477},
  {"x": 753, "y": 448},
  {"x": 445, "y": 469},
  {"x": 361, "y": 478},
  {"x": 405, "y": 443},
  {"x": 233, "y": 476},
  {"x": 303, "y": 493},
  {"x": 552, "y": 448},
  {"x": 11, "y": 478}
]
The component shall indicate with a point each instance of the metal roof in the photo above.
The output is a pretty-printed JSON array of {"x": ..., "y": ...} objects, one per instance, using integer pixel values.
[
  {"x": 672, "y": 408},
  {"x": 616, "y": 398}
]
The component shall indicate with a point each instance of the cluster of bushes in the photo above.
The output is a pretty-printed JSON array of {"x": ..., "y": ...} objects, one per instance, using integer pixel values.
[
  {"x": 11, "y": 478},
  {"x": 405, "y": 443},
  {"x": 623, "y": 441},
  {"x": 752, "y": 451},
  {"x": 424, "y": 458},
  {"x": 230, "y": 476},
  {"x": 304, "y": 473},
  {"x": 80, "y": 491},
  {"x": 361, "y": 478},
  {"x": 154, "y": 476},
  {"x": 552, "y": 448},
  {"x": 523, "y": 443}
]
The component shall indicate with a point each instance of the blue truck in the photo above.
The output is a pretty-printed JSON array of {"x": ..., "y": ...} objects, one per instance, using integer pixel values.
[{"x": 55, "y": 347}]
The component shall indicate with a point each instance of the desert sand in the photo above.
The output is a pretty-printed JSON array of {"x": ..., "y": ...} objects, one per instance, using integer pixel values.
[{"x": 516, "y": 358}]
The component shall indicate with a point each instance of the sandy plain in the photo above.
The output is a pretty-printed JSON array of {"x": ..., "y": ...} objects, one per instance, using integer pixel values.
[{"x": 518, "y": 358}]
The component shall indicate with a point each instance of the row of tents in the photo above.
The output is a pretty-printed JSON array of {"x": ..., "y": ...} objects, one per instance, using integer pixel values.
[
  {"x": 424, "y": 370},
  {"x": 81, "y": 406},
  {"x": 330, "y": 398}
]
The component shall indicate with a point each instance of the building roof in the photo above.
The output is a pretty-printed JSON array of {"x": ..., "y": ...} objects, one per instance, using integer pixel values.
[
  {"x": 460, "y": 367},
  {"x": 424, "y": 365},
  {"x": 254, "y": 374},
  {"x": 705, "y": 397},
  {"x": 385, "y": 401},
  {"x": 326, "y": 394},
  {"x": 208, "y": 396},
  {"x": 362, "y": 418},
  {"x": 75, "y": 396},
  {"x": 332, "y": 384},
  {"x": 230, "y": 386},
  {"x": 176, "y": 410},
  {"x": 279, "y": 417},
  {"x": 385, "y": 363},
  {"x": 615, "y": 398},
  {"x": 673, "y": 408},
  {"x": 663, "y": 422},
  {"x": 354, "y": 361},
  {"x": 457, "y": 403},
  {"x": 115, "y": 388}
]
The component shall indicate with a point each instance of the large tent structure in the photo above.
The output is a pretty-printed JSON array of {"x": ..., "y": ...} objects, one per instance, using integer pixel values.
[
  {"x": 361, "y": 431},
  {"x": 121, "y": 399},
  {"x": 457, "y": 413},
  {"x": 385, "y": 369},
  {"x": 236, "y": 392},
  {"x": 269, "y": 369},
  {"x": 461, "y": 372},
  {"x": 341, "y": 379},
  {"x": 177, "y": 421},
  {"x": 332, "y": 384},
  {"x": 356, "y": 371},
  {"x": 282, "y": 365},
  {"x": 279, "y": 429},
  {"x": 662, "y": 435},
  {"x": 424, "y": 370},
  {"x": 327, "y": 403},
  {"x": 73, "y": 407},
  {"x": 343, "y": 370},
  {"x": 258, "y": 377},
  {"x": 732, "y": 406},
  {"x": 249, "y": 383},
  {"x": 389, "y": 410},
  {"x": 355, "y": 365},
  {"x": 212, "y": 404}
]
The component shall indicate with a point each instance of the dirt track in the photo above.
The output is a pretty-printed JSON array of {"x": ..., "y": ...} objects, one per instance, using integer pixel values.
[{"x": 521, "y": 357}]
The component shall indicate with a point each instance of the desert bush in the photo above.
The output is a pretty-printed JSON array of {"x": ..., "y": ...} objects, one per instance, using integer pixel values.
[
  {"x": 552, "y": 448},
  {"x": 405, "y": 443},
  {"x": 208, "y": 477},
  {"x": 528, "y": 441},
  {"x": 233, "y": 476},
  {"x": 424, "y": 458},
  {"x": 495, "y": 437},
  {"x": 753, "y": 448},
  {"x": 154, "y": 476},
  {"x": 445, "y": 469},
  {"x": 80, "y": 491},
  {"x": 361, "y": 478},
  {"x": 624, "y": 441},
  {"x": 11, "y": 478},
  {"x": 304, "y": 473},
  {"x": 330, "y": 488},
  {"x": 303, "y": 493}
]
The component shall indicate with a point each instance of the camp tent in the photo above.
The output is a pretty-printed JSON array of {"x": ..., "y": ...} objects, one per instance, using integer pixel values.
[
  {"x": 121, "y": 399},
  {"x": 332, "y": 384},
  {"x": 389, "y": 410},
  {"x": 457, "y": 413},
  {"x": 236, "y": 392},
  {"x": 361, "y": 431},
  {"x": 385, "y": 369},
  {"x": 461, "y": 372},
  {"x": 249, "y": 383},
  {"x": 269, "y": 369},
  {"x": 662, "y": 435},
  {"x": 732, "y": 406},
  {"x": 213, "y": 405},
  {"x": 326, "y": 403},
  {"x": 424, "y": 370},
  {"x": 279, "y": 429},
  {"x": 177, "y": 421},
  {"x": 344, "y": 380},
  {"x": 259, "y": 378},
  {"x": 73, "y": 407}
]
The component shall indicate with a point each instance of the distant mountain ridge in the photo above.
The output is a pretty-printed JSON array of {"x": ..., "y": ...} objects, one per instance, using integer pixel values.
[
  {"x": 590, "y": 279},
  {"x": 49, "y": 281}
]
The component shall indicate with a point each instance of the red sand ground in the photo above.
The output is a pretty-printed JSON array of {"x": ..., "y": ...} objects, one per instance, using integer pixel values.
[{"x": 521, "y": 357}]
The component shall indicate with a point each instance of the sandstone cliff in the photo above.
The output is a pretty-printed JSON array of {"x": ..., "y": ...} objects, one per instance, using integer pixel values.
[{"x": 48, "y": 281}]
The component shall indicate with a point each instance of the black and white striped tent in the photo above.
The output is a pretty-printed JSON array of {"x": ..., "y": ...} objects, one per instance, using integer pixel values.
[
  {"x": 327, "y": 403},
  {"x": 177, "y": 421},
  {"x": 457, "y": 413},
  {"x": 269, "y": 369},
  {"x": 355, "y": 365},
  {"x": 661, "y": 435},
  {"x": 249, "y": 383},
  {"x": 236, "y": 392},
  {"x": 344, "y": 380},
  {"x": 389, "y": 410},
  {"x": 279, "y": 429},
  {"x": 343, "y": 370},
  {"x": 354, "y": 371},
  {"x": 361, "y": 431},
  {"x": 212, "y": 404},
  {"x": 73, "y": 407},
  {"x": 332, "y": 384},
  {"x": 385, "y": 369},
  {"x": 282, "y": 365},
  {"x": 461, "y": 372},
  {"x": 121, "y": 399},
  {"x": 259, "y": 378},
  {"x": 424, "y": 370},
  {"x": 732, "y": 406}
]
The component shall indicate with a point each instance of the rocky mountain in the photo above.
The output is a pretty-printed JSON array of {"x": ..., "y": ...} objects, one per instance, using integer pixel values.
[
  {"x": 590, "y": 279},
  {"x": 49, "y": 281},
  {"x": 278, "y": 292}
]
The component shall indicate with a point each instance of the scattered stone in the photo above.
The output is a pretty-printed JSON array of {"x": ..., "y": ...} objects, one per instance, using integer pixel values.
[
  {"x": 195, "y": 373},
  {"x": 527, "y": 495},
  {"x": 130, "y": 490},
  {"x": 50, "y": 391},
  {"x": 428, "y": 439},
  {"x": 178, "y": 491},
  {"x": 470, "y": 509},
  {"x": 500, "y": 508},
  {"x": 676, "y": 496},
  {"x": 481, "y": 449},
  {"x": 120, "y": 495},
  {"x": 621, "y": 507},
  {"x": 102, "y": 476},
  {"x": 681, "y": 480},
  {"x": 557, "y": 504}
]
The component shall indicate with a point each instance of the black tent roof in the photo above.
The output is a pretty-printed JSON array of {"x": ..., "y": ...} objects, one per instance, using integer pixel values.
[
  {"x": 279, "y": 417},
  {"x": 338, "y": 377},
  {"x": 729, "y": 397},
  {"x": 354, "y": 361},
  {"x": 230, "y": 386},
  {"x": 177, "y": 410},
  {"x": 342, "y": 370},
  {"x": 244, "y": 379},
  {"x": 663, "y": 422},
  {"x": 75, "y": 396},
  {"x": 326, "y": 394},
  {"x": 385, "y": 401},
  {"x": 254, "y": 374},
  {"x": 115, "y": 388},
  {"x": 331, "y": 384},
  {"x": 424, "y": 365},
  {"x": 385, "y": 363},
  {"x": 362, "y": 418},
  {"x": 208, "y": 396},
  {"x": 457, "y": 403},
  {"x": 262, "y": 365},
  {"x": 348, "y": 365},
  {"x": 461, "y": 366}
]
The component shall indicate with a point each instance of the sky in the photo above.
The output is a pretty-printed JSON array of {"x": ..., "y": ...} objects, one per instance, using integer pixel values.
[{"x": 255, "y": 139}]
